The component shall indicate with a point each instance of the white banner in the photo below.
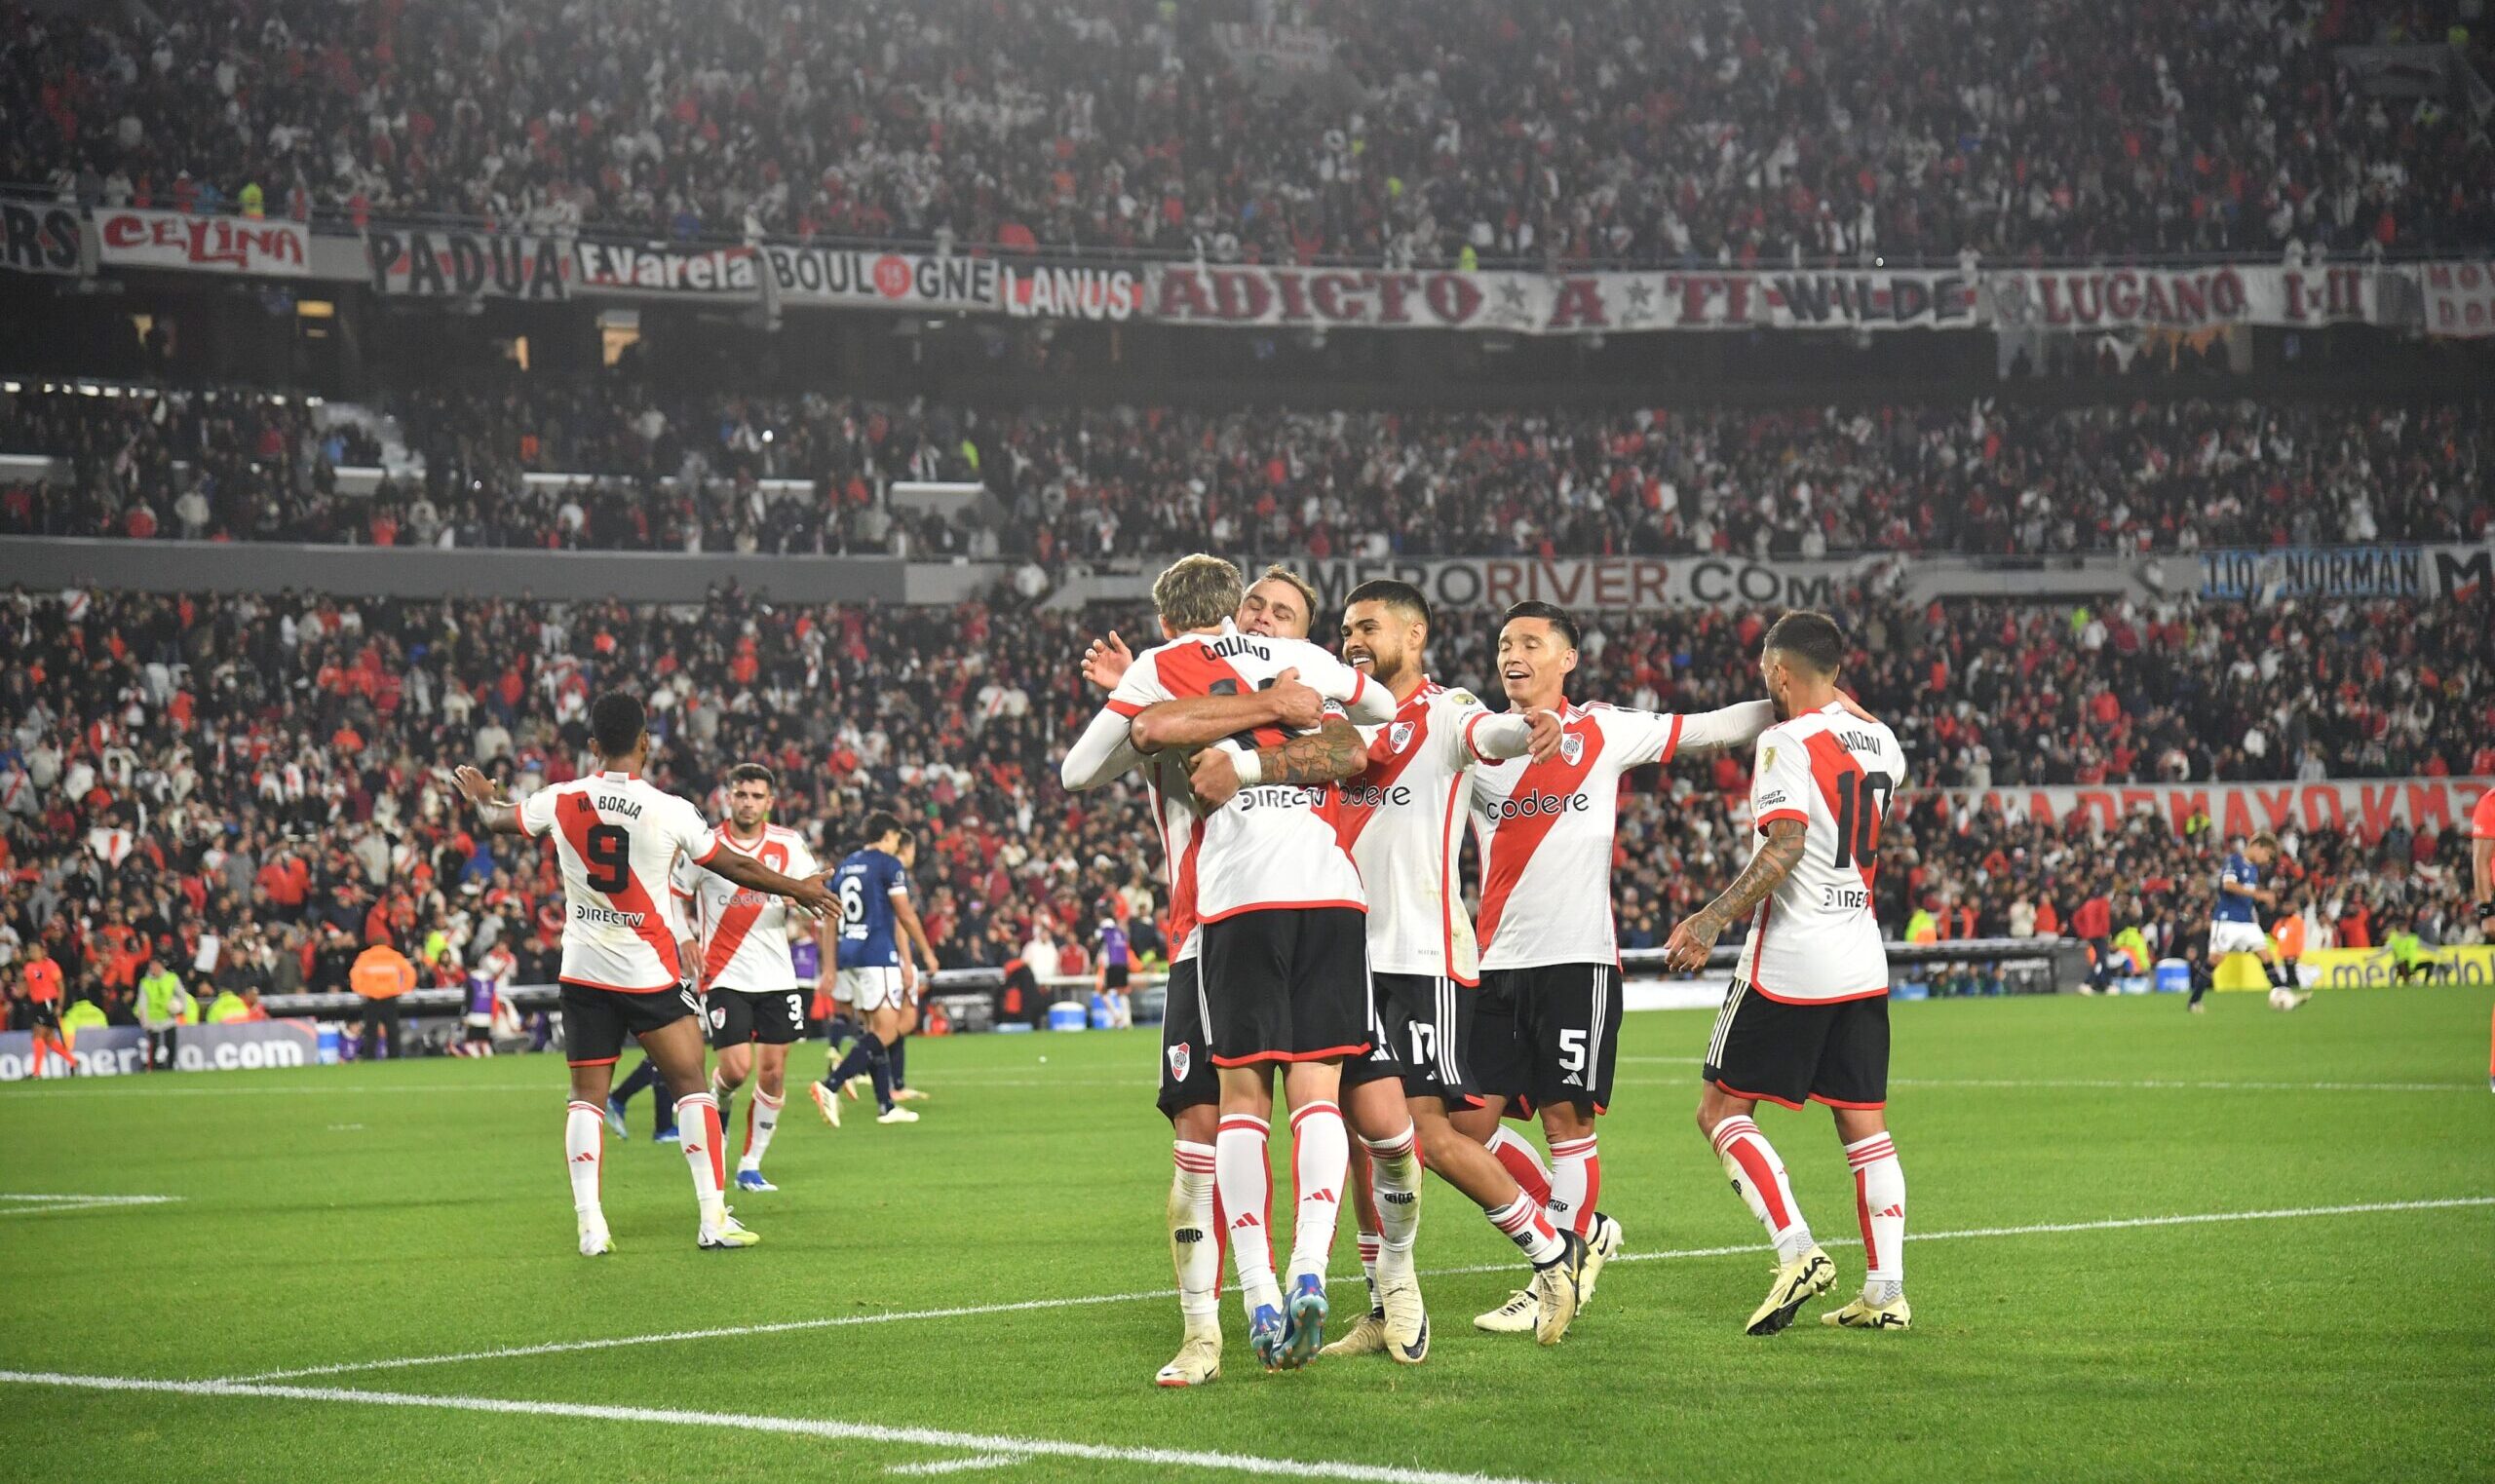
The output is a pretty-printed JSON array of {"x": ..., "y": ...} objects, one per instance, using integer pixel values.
[
  {"x": 2184, "y": 298},
  {"x": 666, "y": 270},
  {"x": 816, "y": 276},
  {"x": 2366, "y": 806},
  {"x": 2460, "y": 298},
  {"x": 237, "y": 245},
  {"x": 2358, "y": 572},
  {"x": 1591, "y": 583}
]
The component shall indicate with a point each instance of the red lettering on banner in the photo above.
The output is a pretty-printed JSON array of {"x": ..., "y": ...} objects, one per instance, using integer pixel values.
[
  {"x": 1454, "y": 298},
  {"x": 2190, "y": 303},
  {"x": 1238, "y": 294},
  {"x": 2239, "y": 817},
  {"x": 2425, "y": 801},
  {"x": 2274, "y": 804},
  {"x": 2294, "y": 282},
  {"x": 2322, "y": 807},
  {"x": 1580, "y": 305},
  {"x": 1338, "y": 296},
  {"x": 1294, "y": 294},
  {"x": 1694, "y": 291},
  {"x": 1499, "y": 584},
  {"x": 2137, "y": 799},
  {"x": 2095, "y": 800},
  {"x": 2088, "y": 299},
  {"x": 1391, "y": 289},
  {"x": 1646, "y": 586},
  {"x": 2379, "y": 804},
  {"x": 1183, "y": 295},
  {"x": 2122, "y": 295},
  {"x": 1564, "y": 593},
  {"x": 1736, "y": 300},
  {"x": 2226, "y": 294},
  {"x": 1610, "y": 586},
  {"x": 2040, "y": 806}
]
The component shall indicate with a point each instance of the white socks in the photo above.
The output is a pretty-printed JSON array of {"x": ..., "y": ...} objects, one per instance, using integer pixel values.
[
  {"x": 761, "y": 1121},
  {"x": 1245, "y": 1187},
  {"x": 1321, "y": 1160},
  {"x": 584, "y": 1154},
  {"x": 1758, "y": 1176},
  {"x": 1576, "y": 1182},
  {"x": 1395, "y": 1174},
  {"x": 1880, "y": 1202},
  {"x": 698, "y": 1118},
  {"x": 1195, "y": 1246}
]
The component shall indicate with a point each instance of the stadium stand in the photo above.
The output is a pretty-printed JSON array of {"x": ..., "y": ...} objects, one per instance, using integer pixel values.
[
  {"x": 1124, "y": 481},
  {"x": 1481, "y": 132}
]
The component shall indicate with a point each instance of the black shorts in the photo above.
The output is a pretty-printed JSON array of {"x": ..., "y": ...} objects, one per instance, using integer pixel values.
[
  {"x": 1546, "y": 1035},
  {"x": 595, "y": 1021},
  {"x": 742, "y": 1015},
  {"x": 1422, "y": 1023},
  {"x": 1187, "y": 1077},
  {"x": 1287, "y": 984},
  {"x": 1836, "y": 1053},
  {"x": 1113, "y": 975},
  {"x": 46, "y": 1015}
]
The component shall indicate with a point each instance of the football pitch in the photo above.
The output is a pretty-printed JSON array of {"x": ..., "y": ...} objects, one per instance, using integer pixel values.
[{"x": 2143, "y": 1246}]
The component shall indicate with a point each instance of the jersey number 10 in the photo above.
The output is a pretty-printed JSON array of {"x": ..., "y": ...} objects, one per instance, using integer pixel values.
[{"x": 1861, "y": 801}]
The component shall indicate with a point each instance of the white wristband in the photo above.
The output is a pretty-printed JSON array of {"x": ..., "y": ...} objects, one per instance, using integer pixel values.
[{"x": 1250, "y": 766}]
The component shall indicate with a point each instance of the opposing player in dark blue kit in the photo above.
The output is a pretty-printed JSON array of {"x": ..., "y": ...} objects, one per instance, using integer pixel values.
[
  {"x": 874, "y": 975},
  {"x": 2235, "y": 924}
]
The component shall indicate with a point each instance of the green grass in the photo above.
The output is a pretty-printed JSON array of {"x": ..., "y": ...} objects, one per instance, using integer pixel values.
[{"x": 350, "y": 1214}]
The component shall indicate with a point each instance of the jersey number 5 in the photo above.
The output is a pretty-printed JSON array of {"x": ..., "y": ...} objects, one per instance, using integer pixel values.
[
  {"x": 1861, "y": 801},
  {"x": 607, "y": 858}
]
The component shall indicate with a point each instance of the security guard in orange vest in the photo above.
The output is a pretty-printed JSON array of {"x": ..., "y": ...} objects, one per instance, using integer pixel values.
[{"x": 381, "y": 974}]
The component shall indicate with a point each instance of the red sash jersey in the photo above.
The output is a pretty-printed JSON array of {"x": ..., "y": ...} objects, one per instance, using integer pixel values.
[
  {"x": 743, "y": 932},
  {"x": 1274, "y": 844},
  {"x": 617, "y": 839},
  {"x": 1399, "y": 818},
  {"x": 1545, "y": 829},
  {"x": 1815, "y": 940}
]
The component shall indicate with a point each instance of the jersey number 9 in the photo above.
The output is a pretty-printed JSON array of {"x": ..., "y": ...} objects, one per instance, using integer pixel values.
[{"x": 607, "y": 858}]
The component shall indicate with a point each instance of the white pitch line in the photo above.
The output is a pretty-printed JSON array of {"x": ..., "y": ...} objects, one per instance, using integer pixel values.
[
  {"x": 959, "y": 1466},
  {"x": 824, "y": 1428},
  {"x": 1752, "y": 1248},
  {"x": 37, "y": 1205}
]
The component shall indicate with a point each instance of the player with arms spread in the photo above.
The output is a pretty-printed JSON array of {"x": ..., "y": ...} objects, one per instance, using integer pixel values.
[
  {"x": 617, "y": 840},
  {"x": 2235, "y": 924},
  {"x": 1276, "y": 606},
  {"x": 1547, "y": 1019},
  {"x": 1285, "y": 968},
  {"x": 748, "y": 974},
  {"x": 1807, "y": 1016},
  {"x": 875, "y": 974}
]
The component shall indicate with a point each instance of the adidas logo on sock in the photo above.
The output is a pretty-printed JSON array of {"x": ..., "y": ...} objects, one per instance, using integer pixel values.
[
  {"x": 1246, "y": 1219},
  {"x": 1897, "y": 1211}
]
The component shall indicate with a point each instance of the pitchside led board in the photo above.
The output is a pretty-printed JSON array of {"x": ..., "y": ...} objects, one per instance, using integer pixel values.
[{"x": 111, "y": 1051}]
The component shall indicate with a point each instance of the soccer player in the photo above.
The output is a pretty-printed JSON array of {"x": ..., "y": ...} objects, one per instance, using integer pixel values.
[
  {"x": 1109, "y": 980},
  {"x": 876, "y": 974},
  {"x": 1401, "y": 813},
  {"x": 1546, "y": 1019},
  {"x": 1807, "y": 1016},
  {"x": 1278, "y": 605},
  {"x": 43, "y": 980},
  {"x": 2482, "y": 870},
  {"x": 1284, "y": 974},
  {"x": 2235, "y": 924},
  {"x": 616, "y": 839},
  {"x": 748, "y": 975}
]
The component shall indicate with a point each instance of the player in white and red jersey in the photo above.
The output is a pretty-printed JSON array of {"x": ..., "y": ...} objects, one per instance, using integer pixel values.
[
  {"x": 1401, "y": 815},
  {"x": 1547, "y": 1021},
  {"x": 1278, "y": 604},
  {"x": 1807, "y": 1016},
  {"x": 617, "y": 840},
  {"x": 1284, "y": 959},
  {"x": 748, "y": 976}
]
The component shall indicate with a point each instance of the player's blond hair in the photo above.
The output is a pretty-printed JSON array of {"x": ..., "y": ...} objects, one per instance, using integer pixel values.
[
  {"x": 2265, "y": 841},
  {"x": 1197, "y": 592}
]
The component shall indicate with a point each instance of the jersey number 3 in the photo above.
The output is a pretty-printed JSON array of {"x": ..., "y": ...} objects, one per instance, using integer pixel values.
[
  {"x": 1860, "y": 800},
  {"x": 606, "y": 857}
]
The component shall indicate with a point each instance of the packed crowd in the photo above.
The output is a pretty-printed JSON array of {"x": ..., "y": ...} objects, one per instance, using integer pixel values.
[
  {"x": 1088, "y": 484},
  {"x": 249, "y": 790},
  {"x": 1474, "y": 132}
]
